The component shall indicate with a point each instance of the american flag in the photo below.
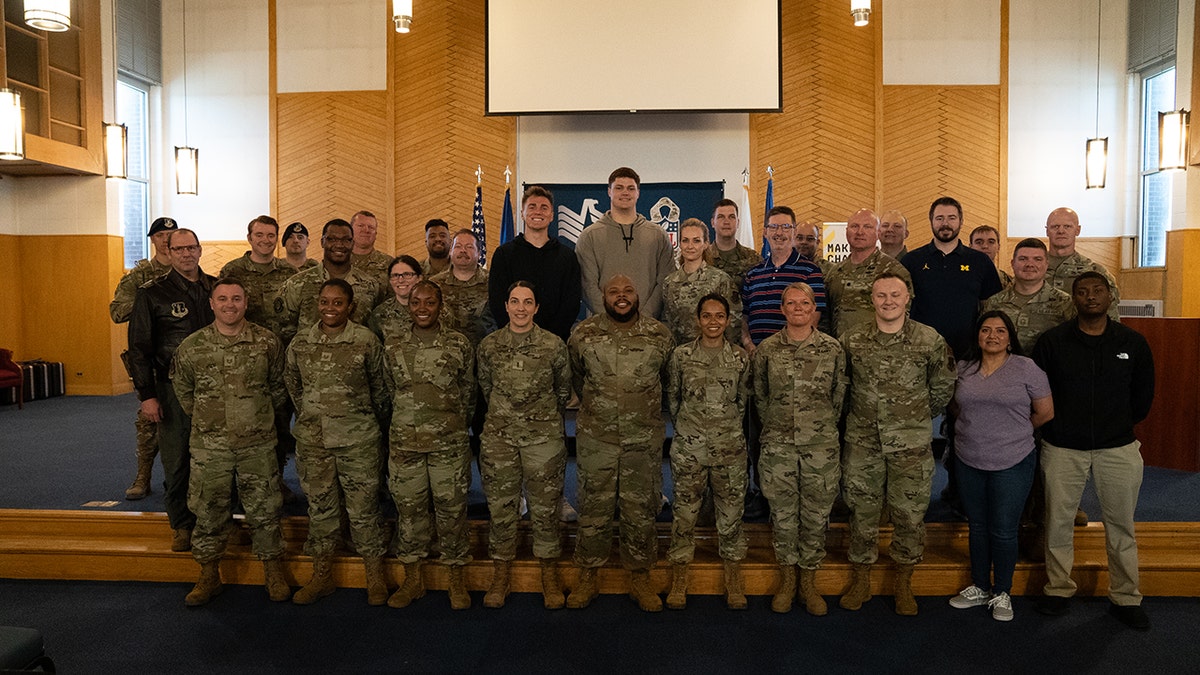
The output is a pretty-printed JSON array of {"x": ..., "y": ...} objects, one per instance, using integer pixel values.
[{"x": 477, "y": 225}]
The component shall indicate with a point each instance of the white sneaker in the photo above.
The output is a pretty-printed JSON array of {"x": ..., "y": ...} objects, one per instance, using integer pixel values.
[
  {"x": 971, "y": 596},
  {"x": 1001, "y": 607}
]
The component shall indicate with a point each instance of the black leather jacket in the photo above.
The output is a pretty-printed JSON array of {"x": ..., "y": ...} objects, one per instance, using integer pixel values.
[{"x": 165, "y": 311}]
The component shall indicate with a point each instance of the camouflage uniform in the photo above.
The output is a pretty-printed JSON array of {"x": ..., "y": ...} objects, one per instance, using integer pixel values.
[
  {"x": 526, "y": 382},
  {"x": 800, "y": 389},
  {"x": 296, "y": 304},
  {"x": 1032, "y": 315},
  {"x": 230, "y": 387},
  {"x": 308, "y": 264},
  {"x": 681, "y": 292},
  {"x": 899, "y": 382},
  {"x": 339, "y": 388},
  {"x": 735, "y": 263},
  {"x": 1061, "y": 273},
  {"x": 1006, "y": 279},
  {"x": 465, "y": 304},
  {"x": 428, "y": 270},
  {"x": 618, "y": 372},
  {"x": 263, "y": 282},
  {"x": 373, "y": 264},
  {"x": 707, "y": 390},
  {"x": 432, "y": 379},
  {"x": 848, "y": 289},
  {"x": 389, "y": 317}
]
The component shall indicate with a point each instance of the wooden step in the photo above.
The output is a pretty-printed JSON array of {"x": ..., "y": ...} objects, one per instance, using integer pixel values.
[{"x": 131, "y": 546}]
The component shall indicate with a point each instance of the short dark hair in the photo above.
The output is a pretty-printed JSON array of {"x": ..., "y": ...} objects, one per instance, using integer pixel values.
[
  {"x": 265, "y": 220},
  {"x": 624, "y": 172},
  {"x": 715, "y": 297},
  {"x": 1030, "y": 242},
  {"x": 945, "y": 201},
  {"x": 725, "y": 202},
  {"x": 782, "y": 210},
  {"x": 227, "y": 281},
  {"x": 171, "y": 235},
  {"x": 537, "y": 191},
  {"x": 521, "y": 283},
  {"x": 984, "y": 228},
  {"x": 340, "y": 284},
  {"x": 436, "y": 222},
  {"x": 464, "y": 231},
  {"x": 336, "y": 222},
  {"x": 1090, "y": 274},
  {"x": 407, "y": 260}
]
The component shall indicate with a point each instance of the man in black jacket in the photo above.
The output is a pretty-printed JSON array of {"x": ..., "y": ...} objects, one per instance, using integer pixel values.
[
  {"x": 165, "y": 311},
  {"x": 1102, "y": 378}
]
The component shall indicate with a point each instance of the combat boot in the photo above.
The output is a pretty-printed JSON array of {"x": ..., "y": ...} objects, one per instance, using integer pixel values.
[
  {"x": 645, "y": 597},
  {"x": 208, "y": 587},
  {"x": 181, "y": 540},
  {"x": 782, "y": 602},
  {"x": 412, "y": 588},
  {"x": 140, "y": 487},
  {"x": 585, "y": 591},
  {"x": 677, "y": 597},
  {"x": 860, "y": 588},
  {"x": 459, "y": 598},
  {"x": 377, "y": 592},
  {"x": 277, "y": 585},
  {"x": 321, "y": 583},
  {"x": 906, "y": 604},
  {"x": 735, "y": 585},
  {"x": 552, "y": 592},
  {"x": 499, "y": 589},
  {"x": 813, "y": 602}
]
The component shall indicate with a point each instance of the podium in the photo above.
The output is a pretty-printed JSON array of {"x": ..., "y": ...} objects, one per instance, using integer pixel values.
[{"x": 1170, "y": 435}]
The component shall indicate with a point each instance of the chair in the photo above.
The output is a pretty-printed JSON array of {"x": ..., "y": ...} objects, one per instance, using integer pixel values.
[{"x": 11, "y": 375}]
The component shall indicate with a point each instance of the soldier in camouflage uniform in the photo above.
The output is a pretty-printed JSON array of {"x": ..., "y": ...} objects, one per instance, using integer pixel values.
[
  {"x": 1031, "y": 302},
  {"x": 465, "y": 288},
  {"x": 618, "y": 362},
  {"x": 986, "y": 240},
  {"x": 902, "y": 375},
  {"x": 800, "y": 387},
  {"x": 391, "y": 315},
  {"x": 119, "y": 309},
  {"x": 808, "y": 244},
  {"x": 726, "y": 254},
  {"x": 335, "y": 375},
  {"x": 437, "y": 245},
  {"x": 296, "y": 304},
  {"x": 431, "y": 373},
  {"x": 525, "y": 377},
  {"x": 848, "y": 283},
  {"x": 295, "y": 246},
  {"x": 694, "y": 279},
  {"x": 229, "y": 379},
  {"x": 364, "y": 256},
  {"x": 707, "y": 389},
  {"x": 1065, "y": 263}
]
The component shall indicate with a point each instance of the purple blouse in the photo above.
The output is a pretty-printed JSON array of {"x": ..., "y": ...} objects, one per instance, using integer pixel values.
[{"x": 993, "y": 430}]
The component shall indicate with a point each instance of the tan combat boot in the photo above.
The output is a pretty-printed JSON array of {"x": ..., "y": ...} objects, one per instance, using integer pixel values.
[
  {"x": 807, "y": 593},
  {"x": 140, "y": 487},
  {"x": 677, "y": 597},
  {"x": 641, "y": 592},
  {"x": 412, "y": 588},
  {"x": 273, "y": 578},
  {"x": 735, "y": 585},
  {"x": 860, "y": 588},
  {"x": 208, "y": 587},
  {"x": 585, "y": 591},
  {"x": 552, "y": 592},
  {"x": 499, "y": 589},
  {"x": 377, "y": 590},
  {"x": 782, "y": 602},
  {"x": 459, "y": 598},
  {"x": 321, "y": 583},
  {"x": 181, "y": 540},
  {"x": 906, "y": 604}
]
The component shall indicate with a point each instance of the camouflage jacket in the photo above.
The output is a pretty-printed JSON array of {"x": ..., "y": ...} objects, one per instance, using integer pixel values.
[
  {"x": 1061, "y": 272},
  {"x": 465, "y": 304},
  {"x": 296, "y": 304},
  {"x": 428, "y": 268},
  {"x": 433, "y": 389},
  {"x": 389, "y": 317},
  {"x": 800, "y": 389},
  {"x": 1032, "y": 315},
  {"x": 373, "y": 264},
  {"x": 619, "y": 373},
  {"x": 707, "y": 392},
  {"x": 848, "y": 289},
  {"x": 263, "y": 282},
  {"x": 735, "y": 263},
  {"x": 898, "y": 384},
  {"x": 526, "y": 382},
  {"x": 143, "y": 272},
  {"x": 230, "y": 386},
  {"x": 338, "y": 386},
  {"x": 681, "y": 292}
]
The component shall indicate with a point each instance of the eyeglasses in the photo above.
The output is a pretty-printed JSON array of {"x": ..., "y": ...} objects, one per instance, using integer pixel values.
[
  {"x": 777, "y": 226},
  {"x": 402, "y": 275},
  {"x": 186, "y": 249},
  {"x": 805, "y": 237}
]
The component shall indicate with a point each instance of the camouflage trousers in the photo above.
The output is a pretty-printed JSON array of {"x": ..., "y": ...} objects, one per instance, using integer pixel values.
[
  {"x": 414, "y": 479},
  {"x": 906, "y": 475},
  {"x": 342, "y": 478},
  {"x": 210, "y": 497},
  {"x": 690, "y": 478},
  {"x": 800, "y": 483},
  {"x": 611, "y": 476},
  {"x": 542, "y": 467},
  {"x": 147, "y": 437}
]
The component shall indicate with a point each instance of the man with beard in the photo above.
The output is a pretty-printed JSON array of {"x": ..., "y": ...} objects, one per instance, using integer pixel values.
[
  {"x": 618, "y": 364},
  {"x": 437, "y": 245}
]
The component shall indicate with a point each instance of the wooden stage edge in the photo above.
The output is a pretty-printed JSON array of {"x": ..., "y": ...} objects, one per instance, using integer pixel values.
[{"x": 133, "y": 546}]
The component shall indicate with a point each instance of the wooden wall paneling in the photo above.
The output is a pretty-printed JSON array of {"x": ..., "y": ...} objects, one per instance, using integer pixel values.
[
  {"x": 11, "y": 275},
  {"x": 1106, "y": 251}
]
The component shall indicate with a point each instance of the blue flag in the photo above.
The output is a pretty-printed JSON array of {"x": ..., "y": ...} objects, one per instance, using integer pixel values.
[
  {"x": 506, "y": 219},
  {"x": 766, "y": 247},
  {"x": 477, "y": 225}
]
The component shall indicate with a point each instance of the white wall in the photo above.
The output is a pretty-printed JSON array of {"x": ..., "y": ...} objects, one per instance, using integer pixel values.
[
  {"x": 322, "y": 46},
  {"x": 947, "y": 42},
  {"x": 1187, "y": 201}
]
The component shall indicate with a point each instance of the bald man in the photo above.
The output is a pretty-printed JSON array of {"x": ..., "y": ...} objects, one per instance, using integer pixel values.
[
  {"x": 849, "y": 282},
  {"x": 1065, "y": 263},
  {"x": 893, "y": 230}
]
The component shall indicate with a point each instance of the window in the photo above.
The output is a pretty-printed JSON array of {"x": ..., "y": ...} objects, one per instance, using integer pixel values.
[
  {"x": 1158, "y": 95},
  {"x": 133, "y": 110}
]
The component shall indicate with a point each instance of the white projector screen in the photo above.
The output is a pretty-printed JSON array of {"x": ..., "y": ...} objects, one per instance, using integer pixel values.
[{"x": 557, "y": 56}]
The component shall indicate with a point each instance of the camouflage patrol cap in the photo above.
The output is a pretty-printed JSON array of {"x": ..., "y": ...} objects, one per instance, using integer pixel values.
[
  {"x": 161, "y": 225},
  {"x": 293, "y": 230}
]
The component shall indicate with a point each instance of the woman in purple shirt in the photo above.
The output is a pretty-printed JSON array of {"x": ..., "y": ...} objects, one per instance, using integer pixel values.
[{"x": 999, "y": 399}]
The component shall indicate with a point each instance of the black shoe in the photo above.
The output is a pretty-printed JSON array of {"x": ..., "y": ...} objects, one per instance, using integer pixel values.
[
  {"x": 756, "y": 506},
  {"x": 1130, "y": 615},
  {"x": 1053, "y": 605}
]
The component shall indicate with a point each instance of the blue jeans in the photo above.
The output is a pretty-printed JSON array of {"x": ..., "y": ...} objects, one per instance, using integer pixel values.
[{"x": 993, "y": 501}]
